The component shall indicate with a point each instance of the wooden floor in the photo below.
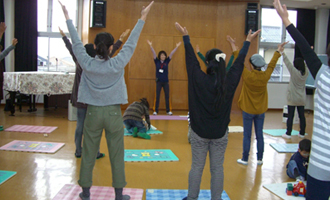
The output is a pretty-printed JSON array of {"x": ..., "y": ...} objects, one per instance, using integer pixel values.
[{"x": 41, "y": 176}]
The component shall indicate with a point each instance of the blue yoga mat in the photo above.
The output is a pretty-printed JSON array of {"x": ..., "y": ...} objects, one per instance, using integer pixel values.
[
  {"x": 279, "y": 132},
  {"x": 148, "y": 132},
  {"x": 149, "y": 155},
  {"x": 5, "y": 175},
  {"x": 164, "y": 194},
  {"x": 285, "y": 147}
]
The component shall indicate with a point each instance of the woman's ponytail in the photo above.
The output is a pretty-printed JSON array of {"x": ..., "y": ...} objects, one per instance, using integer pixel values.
[{"x": 103, "y": 41}]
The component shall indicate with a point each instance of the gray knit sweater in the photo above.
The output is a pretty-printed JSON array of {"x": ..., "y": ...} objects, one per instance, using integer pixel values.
[
  {"x": 296, "y": 94},
  {"x": 102, "y": 81}
]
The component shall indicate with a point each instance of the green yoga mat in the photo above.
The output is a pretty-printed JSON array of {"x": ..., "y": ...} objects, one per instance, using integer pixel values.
[
  {"x": 285, "y": 147},
  {"x": 5, "y": 175},
  {"x": 149, "y": 155},
  {"x": 279, "y": 132},
  {"x": 148, "y": 132}
]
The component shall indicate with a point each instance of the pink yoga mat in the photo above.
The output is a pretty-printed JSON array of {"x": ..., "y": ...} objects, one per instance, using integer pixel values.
[
  {"x": 71, "y": 192},
  {"x": 31, "y": 129},
  {"x": 168, "y": 117},
  {"x": 32, "y": 146}
]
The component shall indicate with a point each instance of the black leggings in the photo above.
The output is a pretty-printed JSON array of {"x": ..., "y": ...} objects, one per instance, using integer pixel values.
[
  {"x": 159, "y": 86},
  {"x": 289, "y": 122}
]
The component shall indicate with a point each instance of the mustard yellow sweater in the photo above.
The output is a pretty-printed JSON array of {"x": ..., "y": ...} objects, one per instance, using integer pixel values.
[{"x": 254, "y": 95}]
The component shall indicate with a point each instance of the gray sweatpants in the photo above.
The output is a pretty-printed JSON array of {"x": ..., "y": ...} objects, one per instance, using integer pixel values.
[{"x": 199, "y": 148}]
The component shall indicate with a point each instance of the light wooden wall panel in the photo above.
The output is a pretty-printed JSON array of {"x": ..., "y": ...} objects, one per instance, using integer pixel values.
[{"x": 208, "y": 23}]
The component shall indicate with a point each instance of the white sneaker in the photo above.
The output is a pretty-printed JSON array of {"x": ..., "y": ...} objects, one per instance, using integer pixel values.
[
  {"x": 240, "y": 161},
  {"x": 155, "y": 113},
  {"x": 286, "y": 136},
  {"x": 260, "y": 162},
  {"x": 301, "y": 136},
  {"x": 170, "y": 113}
]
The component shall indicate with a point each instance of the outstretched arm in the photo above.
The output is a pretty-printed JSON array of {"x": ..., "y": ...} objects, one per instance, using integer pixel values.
[
  {"x": 4, "y": 53},
  {"x": 152, "y": 50},
  {"x": 312, "y": 61},
  {"x": 200, "y": 55},
  {"x": 191, "y": 59},
  {"x": 68, "y": 44},
  {"x": 119, "y": 42},
  {"x": 234, "y": 48},
  {"x": 174, "y": 50},
  {"x": 235, "y": 72},
  {"x": 2, "y": 29}
]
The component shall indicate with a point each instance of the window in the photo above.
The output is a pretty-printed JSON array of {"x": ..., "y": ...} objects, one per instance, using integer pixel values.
[
  {"x": 273, "y": 32},
  {"x": 52, "y": 53}
]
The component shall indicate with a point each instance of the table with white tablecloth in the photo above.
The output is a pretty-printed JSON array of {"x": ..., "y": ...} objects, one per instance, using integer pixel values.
[{"x": 37, "y": 83}]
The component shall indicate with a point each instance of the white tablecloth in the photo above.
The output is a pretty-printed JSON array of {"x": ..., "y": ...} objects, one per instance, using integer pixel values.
[{"x": 45, "y": 83}]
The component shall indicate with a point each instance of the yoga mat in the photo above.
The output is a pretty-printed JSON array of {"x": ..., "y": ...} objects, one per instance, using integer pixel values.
[
  {"x": 149, "y": 132},
  {"x": 149, "y": 155},
  {"x": 168, "y": 117},
  {"x": 235, "y": 129},
  {"x": 5, "y": 175},
  {"x": 279, "y": 190},
  {"x": 280, "y": 132},
  {"x": 71, "y": 192},
  {"x": 285, "y": 147},
  {"x": 32, "y": 146},
  {"x": 157, "y": 194},
  {"x": 31, "y": 129}
]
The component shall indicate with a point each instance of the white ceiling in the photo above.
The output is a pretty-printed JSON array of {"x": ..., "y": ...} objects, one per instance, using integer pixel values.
[{"x": 309, "y": 4}]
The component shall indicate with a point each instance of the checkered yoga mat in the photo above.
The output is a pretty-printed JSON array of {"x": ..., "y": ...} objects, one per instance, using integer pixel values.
[
  {"x": 71, "y": 192},
  {"x": 149, "y": 155},
  {"x": 279, "y": 132},
  {"x": 148, "y": 132},
  {"x": 285, "y": 147},
  {"x": 31, "y": 129},
  {"x": 163, "y": 194},
  {"x": 32, "y": 146},
  {"x": 5, "y": 175}
]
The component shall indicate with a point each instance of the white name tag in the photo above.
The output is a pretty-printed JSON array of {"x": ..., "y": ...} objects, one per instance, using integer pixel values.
[{"x": 161, "y": 71}]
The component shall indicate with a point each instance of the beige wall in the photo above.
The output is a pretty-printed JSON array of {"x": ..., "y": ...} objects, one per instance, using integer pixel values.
[{"x": 208, "y": 22}]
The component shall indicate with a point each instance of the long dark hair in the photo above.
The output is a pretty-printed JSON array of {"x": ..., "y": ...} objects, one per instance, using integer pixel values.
[
  {"x": 90, "y": 50},
  {"x": 103, "y": 41},
  {"x": 145, "y": 102},
  {"x": 218, "y": 68},
  {"x": 160, "y": 53},
  {"x": 299, "y": 64}
]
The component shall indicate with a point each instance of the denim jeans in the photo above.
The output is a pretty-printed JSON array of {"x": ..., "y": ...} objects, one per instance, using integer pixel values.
[
  {"x": 290, "y": 170},
  {"x": 81, "y": 114},
  {"x": 258, "y": 126},
  {"x": 130, "y": 124}
]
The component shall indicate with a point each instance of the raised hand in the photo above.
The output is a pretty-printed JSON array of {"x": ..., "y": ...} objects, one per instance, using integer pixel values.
[
  {"x": 178, "y": 44},
  {"x": 251, "y": 35},
  {"x": 280, "y": 47},
  {"x": 124, "y": 34},
  {"x": 149, "y": 42},
  {"x": 65, "y": 11},
  {"x": 231, "y": 40},
  {"x": 197, "y": 48},
  {"x": 2, "y": 27},
  {"x": 232, "y": 43},
  {"x": 182, "y": 30},
  {"x": 14, "y": 42},
  {"x": 282, "y": 12},
  {"x": 61, "y": 32},
  {"x": 145, "y": 11}
]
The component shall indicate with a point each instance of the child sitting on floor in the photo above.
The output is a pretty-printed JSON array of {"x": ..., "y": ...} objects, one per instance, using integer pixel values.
[
  {"x": 297, "y": 166},
  {"x": 133, "y": 118}
]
